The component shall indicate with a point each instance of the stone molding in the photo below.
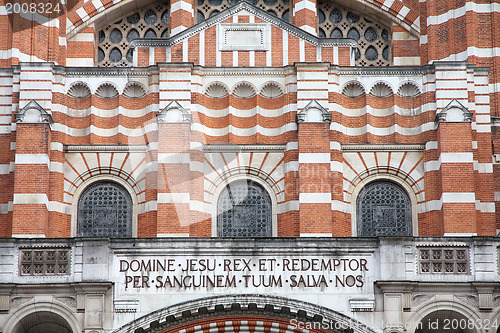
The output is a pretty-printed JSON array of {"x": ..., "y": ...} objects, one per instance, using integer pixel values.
[
  {"x": 236, "y": 148},
  {"x": 174, "y": 113},
  {"x": 311, "y": 110},
  {"x": 106, "y": 148},
  {"x": 382, "y": 147},
  {"x": 33, "y": 113},
  {"x": 451, "y": 113}
]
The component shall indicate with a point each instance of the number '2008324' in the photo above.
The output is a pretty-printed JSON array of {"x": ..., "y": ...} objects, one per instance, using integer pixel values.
[
  {"x": 454, "y": 324},
  {"x": 39, "y": 8}
]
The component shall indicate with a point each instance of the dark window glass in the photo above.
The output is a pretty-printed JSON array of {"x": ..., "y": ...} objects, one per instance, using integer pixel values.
[
  {"x": 134, "y": 19},
  {"x": 105, "y": 210},
  {"x": 150, "y": 17},
  {"x": 244, "y": 210},
  {"x": 116, "y": 36},
  {"x": 383, "y": 208}
]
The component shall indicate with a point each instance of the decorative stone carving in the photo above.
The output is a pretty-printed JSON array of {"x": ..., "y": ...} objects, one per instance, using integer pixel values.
[
  {"x": 217, "y": 90},
  {"x": 134, "y": 90},
  {"x": 454, "y": 112},
  {"x": 174, "y": 113},
  {"x": 381, "y": 89},
  {"x": 408, "y": 89},
  {"x": 126, "y": 306},
  {"x": 114, "y": 40},
  {"x": 271, "y": 89},
  {"x": 314, "y": 113},
  {"x": 244, "y": 90},
  {"x": 362, "y": 305},
  {"x": 353, "y": 89},
  {"x": 106, "y": 90},
  {"x": 79, "y": 90},
  {"x": 373, "y": 38},
  {"x": 33, "y": 113}
]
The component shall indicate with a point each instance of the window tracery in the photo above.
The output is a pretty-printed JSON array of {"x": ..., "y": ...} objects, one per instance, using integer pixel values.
[
  {"x": 373, "y": 38},
  {"x": 383, "y": 208},
  {"x": 105, "y": 210},
  {"x": 244, "y": 209},
  {"x": 114, "y": 40}
]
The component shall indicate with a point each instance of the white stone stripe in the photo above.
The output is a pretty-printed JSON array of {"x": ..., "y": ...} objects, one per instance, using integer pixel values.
[
  {"x": 291, "y": 166},
  {"x": 319, "y": 234},
  {"x": 336, "y": 166},
  {"x": 6, "y": 208},
  {"x": 5, "y": 169},
  {"x": 302, "y": 50},
  {"x": 294, "y": 145},
  {"x": 182, "y": 5},
  {"x": 173, "y": 198},
  {"x": 304, "y": 4},
  {"x": 32, "y": 159},
  {"x": 59, "y": 207},
  {"x": 314, "y": 158},
  {"x": 56, "y": 167},
  {"x": 483, "y": 167},
  {"x": 469, "y": 6},
  {"x": 173, "y": 158},
  {"x": 341, "y": 206},
  {"x": 315, "y": 198},
  {"x": 185, "y": 49},
  {"x": 28, "y": 235},
  {"x": 458, "y": 197},
  {"x": 202, "y": 48},
  {"x": 485, "y": 207},
  {"x": 31, "y": 198},
  {"x": 150, "y": 206},
  {"x": 456, "y": 157}
]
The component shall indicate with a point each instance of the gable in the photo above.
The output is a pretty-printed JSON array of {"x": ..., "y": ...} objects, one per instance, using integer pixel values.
[{"x": 243, "y": 35}]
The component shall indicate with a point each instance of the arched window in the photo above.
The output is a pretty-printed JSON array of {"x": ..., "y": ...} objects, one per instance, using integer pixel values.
[
  {"x": 383, "y": 208},
  {"x": 244, "y": 209},
  {"x": 105, "y": 209}
]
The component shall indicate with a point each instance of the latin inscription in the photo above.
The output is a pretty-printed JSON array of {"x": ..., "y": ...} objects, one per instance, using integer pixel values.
[{"x": 210, "y": 273}]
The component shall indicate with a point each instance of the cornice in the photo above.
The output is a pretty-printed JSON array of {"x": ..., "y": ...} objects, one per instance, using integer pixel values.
[
  {"x": 106, "y": 148},
  {"x": 240, "y": 71},
  {"x": 382, "y": 71},
  {"x": 237, "y": 148},
  {"x": 111, "y": 71},
  {"x": 383, "y": 147}
]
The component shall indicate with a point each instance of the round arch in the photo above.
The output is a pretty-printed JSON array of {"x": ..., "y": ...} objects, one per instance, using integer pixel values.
[
  {"x": 226, "y": 181},
  {"x": 360, "y": 183},
  {"x": 288, "y": 313},
  {"x": 77, "y": 193},
  {"x": 433, "y": 306},
  {"x": 62, "y": 317}
]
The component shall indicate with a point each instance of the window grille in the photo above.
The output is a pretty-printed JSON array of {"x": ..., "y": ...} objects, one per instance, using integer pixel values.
[
  {"x": 44, "y": 262},
  {"x": 105, "y": 210},
  {"x": 113, "y": 40},
  {"x": 383, "y": 208},
  {"x": 209, "y": 8},
  {"x": 244, "y": 209},
  {"x": 443, "y": 260},
  {"x": 373, "y": 38}
]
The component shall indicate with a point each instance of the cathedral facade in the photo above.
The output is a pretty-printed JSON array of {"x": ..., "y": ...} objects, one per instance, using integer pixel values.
[{"x": 249, "y": 166}]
